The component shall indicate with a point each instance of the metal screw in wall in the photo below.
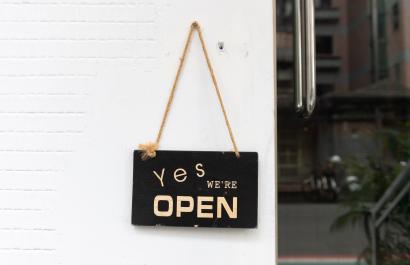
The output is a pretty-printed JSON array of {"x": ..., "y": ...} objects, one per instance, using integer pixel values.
[{"x": 221, "y": 46}]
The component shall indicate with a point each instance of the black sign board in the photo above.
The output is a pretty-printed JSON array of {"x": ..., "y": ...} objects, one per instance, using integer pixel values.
[{"x": 196, "y": 189}]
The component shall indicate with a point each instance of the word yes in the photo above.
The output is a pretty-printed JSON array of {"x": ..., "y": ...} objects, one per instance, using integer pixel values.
[{"x": 180, "y": 174}]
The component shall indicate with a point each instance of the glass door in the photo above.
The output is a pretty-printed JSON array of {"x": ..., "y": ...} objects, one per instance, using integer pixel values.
[{"x": 343, "y": 172}]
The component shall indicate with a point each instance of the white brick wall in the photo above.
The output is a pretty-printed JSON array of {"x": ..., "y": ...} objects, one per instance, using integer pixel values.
[{"x": 82, "y": 82}]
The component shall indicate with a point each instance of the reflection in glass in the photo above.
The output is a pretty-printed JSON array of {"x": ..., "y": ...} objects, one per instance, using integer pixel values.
[{"x": 336, "y": 166}]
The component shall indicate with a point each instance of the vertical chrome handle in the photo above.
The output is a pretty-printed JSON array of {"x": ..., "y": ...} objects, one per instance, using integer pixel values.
[
  {"x": 310, "y": 50},
  {"x": 304, "y": 56},
  {"x": 297, "y": 56}
]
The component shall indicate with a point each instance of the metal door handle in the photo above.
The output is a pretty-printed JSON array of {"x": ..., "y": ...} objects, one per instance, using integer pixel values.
[{"x": 304, "y": 56}]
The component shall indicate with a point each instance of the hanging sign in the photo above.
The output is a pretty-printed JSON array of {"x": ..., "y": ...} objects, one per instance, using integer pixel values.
[
  {"x": 197, "y": 189},
  {"x": 193, "y": 188}
]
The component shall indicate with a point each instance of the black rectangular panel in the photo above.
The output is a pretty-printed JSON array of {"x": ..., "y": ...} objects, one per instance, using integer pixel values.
[{"x": 196, "y": 189}]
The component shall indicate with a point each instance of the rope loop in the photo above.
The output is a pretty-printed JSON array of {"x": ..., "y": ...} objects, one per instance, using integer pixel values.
[{"x": 148, "y": 150}]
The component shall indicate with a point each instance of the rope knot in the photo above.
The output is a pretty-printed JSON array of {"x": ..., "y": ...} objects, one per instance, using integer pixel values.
[
  {"x": 148, "y": 150},
  {"x": 195, "y": 24}
]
